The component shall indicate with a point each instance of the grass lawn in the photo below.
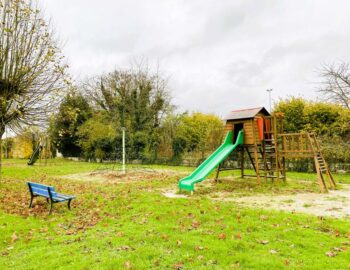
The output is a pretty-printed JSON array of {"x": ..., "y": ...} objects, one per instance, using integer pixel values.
[{"x": 131, "y": 225}]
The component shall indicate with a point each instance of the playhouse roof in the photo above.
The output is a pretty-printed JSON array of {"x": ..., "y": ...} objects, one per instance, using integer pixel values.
[{"x": 246, "y": 113}]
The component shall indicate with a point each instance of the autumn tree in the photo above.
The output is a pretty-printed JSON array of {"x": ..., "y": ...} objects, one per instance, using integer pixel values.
[
  {"x": 335, "y": 85},
  {"x": 32, "y": 73}
]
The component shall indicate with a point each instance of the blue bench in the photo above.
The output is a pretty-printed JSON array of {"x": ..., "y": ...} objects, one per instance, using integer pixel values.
[{"x": 49, "y": 193}]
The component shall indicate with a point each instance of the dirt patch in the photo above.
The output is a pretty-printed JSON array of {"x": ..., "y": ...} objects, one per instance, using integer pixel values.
[
  {"x": 334, "y": 204},
  {"x": 171, "y": 194},
  {"x": 117, "y": 176}
]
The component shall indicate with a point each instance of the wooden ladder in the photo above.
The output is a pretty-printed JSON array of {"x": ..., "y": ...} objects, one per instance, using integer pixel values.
[
  {"x": 320, "y": 164},
  {"x": 271, "y": 158}
]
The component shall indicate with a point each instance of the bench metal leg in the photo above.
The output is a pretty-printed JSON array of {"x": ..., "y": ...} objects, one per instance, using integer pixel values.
[
  {"x": 47, "y": 200},
  {"x": 51, "y": 205},
  {"x": 69, "y": 201},
  {"x": 31, "y": 201}
]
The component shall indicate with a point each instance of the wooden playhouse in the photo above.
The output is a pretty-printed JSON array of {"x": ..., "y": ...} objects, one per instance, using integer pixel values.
[{"x": 267, "y": 147}]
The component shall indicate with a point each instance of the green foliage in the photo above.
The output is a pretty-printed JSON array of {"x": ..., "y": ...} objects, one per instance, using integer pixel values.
[
  {"x": 136, "y": 100},
  {"x": 197, "y": 132},
  {"x": 329, "y": 121},
  {"x": 96, "y": 137},
  {"x": 203, "y": 132},
  {"x": 293, "y": 109},
  {"x": 318, "y": 117},
  {"x": 73, "y": 112}
]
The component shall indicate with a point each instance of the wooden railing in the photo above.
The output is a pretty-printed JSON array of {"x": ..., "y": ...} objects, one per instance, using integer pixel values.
[{"x": 295, "y": 145}]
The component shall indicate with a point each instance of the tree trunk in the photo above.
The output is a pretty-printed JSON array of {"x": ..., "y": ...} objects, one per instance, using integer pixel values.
[{"x": 2, "y": 131}]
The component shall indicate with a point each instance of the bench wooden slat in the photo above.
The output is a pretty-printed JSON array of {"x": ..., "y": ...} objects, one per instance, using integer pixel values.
[
  {"x": 41, "y": 192},
  {"x": 64, "y": 196},
  {"x": 32, "y": 184}
]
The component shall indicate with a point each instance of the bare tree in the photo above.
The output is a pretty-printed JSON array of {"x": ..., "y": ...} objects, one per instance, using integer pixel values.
[
  {"x": 336, "y": 83},
  {"x": 32, "y": 73}
]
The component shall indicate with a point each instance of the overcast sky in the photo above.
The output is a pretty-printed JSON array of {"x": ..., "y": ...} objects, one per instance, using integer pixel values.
[{"x": 219, "y": 55}]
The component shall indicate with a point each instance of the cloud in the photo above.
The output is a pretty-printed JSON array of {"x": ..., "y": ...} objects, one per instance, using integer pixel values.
[{"x": 219, "y": 55}]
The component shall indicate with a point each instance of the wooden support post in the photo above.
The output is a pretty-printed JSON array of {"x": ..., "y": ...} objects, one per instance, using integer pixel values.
[
  {"x": 256, "y": 157},
  {"x": 217, "y": 172},
  {"x": 276, "y": 146},
  {"x": 263, "y": 154},
  {"x": 284, "y": 168},
  {"x": 242, "y": 162},
  {"x": 256, "y": 161},
  {"x": 283, "y": 157}
]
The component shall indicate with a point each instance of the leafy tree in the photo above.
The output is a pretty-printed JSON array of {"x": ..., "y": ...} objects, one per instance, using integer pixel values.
[
  {"x": 97, "y": 138},
  {"x": 195, "y": 133},
  {"x": 322, "y": 118},
  {"x": 293, "y": 109},
  {"x": 318, "y": 117},
  {"x": 203, "y": 132},
  {"x": 73, "y": 112},
  {"x": 136, "y": 100}
]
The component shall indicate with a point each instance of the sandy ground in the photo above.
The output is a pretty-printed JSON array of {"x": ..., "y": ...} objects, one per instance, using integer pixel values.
[{"x": 334, "y": 204}]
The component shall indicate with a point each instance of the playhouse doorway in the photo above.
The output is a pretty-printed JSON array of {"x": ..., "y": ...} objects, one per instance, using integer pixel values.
[{"x": 236, "y": 129}]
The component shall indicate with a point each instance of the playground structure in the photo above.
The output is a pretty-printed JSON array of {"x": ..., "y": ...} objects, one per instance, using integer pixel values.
[
  {"x": 259, "y": 136},
  {"x": 36, "y": 153},
  {"x": 41, "y": 151}
]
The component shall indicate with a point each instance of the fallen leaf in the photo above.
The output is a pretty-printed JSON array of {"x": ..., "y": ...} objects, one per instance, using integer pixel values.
[
  {"x": 238, "y": 236},
  {"x": 120, "y": 234},
  {"x": 178, "y": 266},
  {"x": 263, "y": 217},
  {"x": 70, "y": 232},
  {"x": 199, "y": 248},
  {"x": 144, "y": 221},
  {"x": 195, "y": 224},
  {"x": 222, "y": 236},
  {"x": 272, "y": 251},
  {"x": 127, "y": 265},
  {"x": 263, "y": 242},
  {"x": 14, "y": 238},
  {"x": 124, "y": 248},
  {"x": 178, "y": 242},
  {"x": 330, "y": 254}
]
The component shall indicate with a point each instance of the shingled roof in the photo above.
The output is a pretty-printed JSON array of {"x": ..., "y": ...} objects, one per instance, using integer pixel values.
[{"x": 246, "y": 113}]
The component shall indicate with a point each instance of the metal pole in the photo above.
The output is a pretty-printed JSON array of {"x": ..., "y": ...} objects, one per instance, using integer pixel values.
[
  {"x": 269, "y": 91},
  {"x": 123, "y": 129}
]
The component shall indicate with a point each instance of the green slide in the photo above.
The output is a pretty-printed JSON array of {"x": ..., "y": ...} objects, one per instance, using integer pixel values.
[
  {"x": 35, "y": 155},
  {"x": 212, "y": 161}
]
